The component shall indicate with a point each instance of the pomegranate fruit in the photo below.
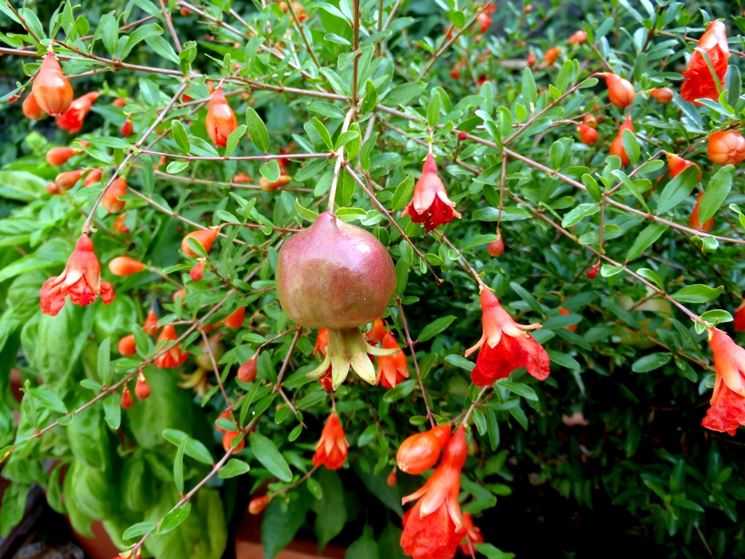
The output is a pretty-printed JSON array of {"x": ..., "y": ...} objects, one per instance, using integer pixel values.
[{"x": 337, "y": 276}]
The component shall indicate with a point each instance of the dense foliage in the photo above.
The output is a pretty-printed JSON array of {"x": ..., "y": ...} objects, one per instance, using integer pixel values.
[{"x": 164, "y": 393}]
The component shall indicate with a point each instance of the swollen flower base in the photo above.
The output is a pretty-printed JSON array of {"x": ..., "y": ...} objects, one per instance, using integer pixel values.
[
  {"x": 434, "y": 527},
  {"x": 505, "y": 346},
  {"x": 81, "y": 280},
  {"x": 727, "y": 410}
]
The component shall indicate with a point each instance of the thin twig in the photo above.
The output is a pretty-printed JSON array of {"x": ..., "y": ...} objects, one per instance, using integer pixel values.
[{"x": 410, "y": 344}]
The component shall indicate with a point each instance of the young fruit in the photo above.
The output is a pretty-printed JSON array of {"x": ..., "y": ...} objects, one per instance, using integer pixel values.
[
  {"x": 142, "y": 388},
  {"x": 726, "y": 147},
  {"x": 51, "y": 88},
  {"x": 197, "y": 272},
  {"x": 126, "y": 401}
]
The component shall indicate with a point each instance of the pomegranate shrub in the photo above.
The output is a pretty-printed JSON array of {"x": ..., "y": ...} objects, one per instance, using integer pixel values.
[{"x": 519, "y": 226}]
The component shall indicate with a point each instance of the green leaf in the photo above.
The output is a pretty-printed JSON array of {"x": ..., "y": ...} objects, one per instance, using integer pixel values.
[
  {"x": 435, "y": 327},
  {"x": 646, "y": 238},
  {"x": 461, "y": 362},
  {"x": 697, "y": 293},
  {"x": 235, "y": 137},
  {"x": 529, "y": 91},
  {"x": 48, "y": 399},
  {"x": 365, "y": 547},
  {"x": 631, "y": 145},
  {"x": 318, "y": 133},
  {"x": 162, "y": 48},
  {"x": 193, "y": 448},
  {"x": 520, "y": 389},
  {"x": 102, "y": 363},
  {"x": 174, "y": 518},
  {"x": 137, "y": 530},
  {"x": 331, "y": 510},
  {"x": 267, "y": 453},
  {"x": 716, "y": 193},
  {"x": 433, "y": 109},
  {"x": 282, "y": 520},
  {"x": 401, "y": 390},
  {"x": 651, "y": 362},
  {"x": 257, "y": 130},
  {"x": 233, "y": 468},
  {"x": 652, "y": 276},
  {"x": 678, "y": 189},
  {"x": 579, "y": 213}
]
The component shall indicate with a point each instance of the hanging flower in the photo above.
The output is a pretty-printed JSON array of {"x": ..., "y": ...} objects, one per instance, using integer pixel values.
[
  {"x": 430, "y": 204},
  {"x": 197, "y": 272},
  {"x": 126, "y": 400},
  {"x": 727, "y": 410},
  {"x": 393, "y": 368},
  {"x": 51, "y": 89},
  {"x": 473, "y": 535},
  {"x": 620, "y": 91},
  {"x": 111, "y": 200},
  {"x": 81, "y": 280},
  {"x": 433, "y": 527},
  {"x": 174, "y": 356},
  {"x": 726, "y": 147},
  {"x": 694, "y": 222},
  {"x": 419, "y": 452},
  {"x": 125, "y": 266},
  {"x": 72, "y": 119},
  {"x": 331, "y": 450},
  {"x": 505, "y": 346},
  {"x": 322, "y": 342},
  {"x": 142, "y": 387},
  {"x": 616, "y": 147},
  {"x": 698, "y": 82},
  {"x": 66, "y": 180},
  {"x": 220, "y": 120}
]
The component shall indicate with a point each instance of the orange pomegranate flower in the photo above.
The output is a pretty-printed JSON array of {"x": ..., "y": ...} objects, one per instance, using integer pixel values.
[
  {"x": 51, "y": 89},
  {"x": 616, "y": 146},
  {"x": 392, "y": 369},
  {"x": 505, "y": 346},
  {"x": 434, "y": 526},
  {"x": 331, "y": 450},
  {"x": 72, "y": 119},
  {"x": 174, "y": 356},
  {"x": 739, "y": 317},
  {"x": 430, "y": 204},
  {"x": 419, "y": 452},
  {"x": 220, "y": 120},
  {"x": 698, "y": 81},
  {"x": 322, "y": 342},
  {"x": 473, "y": 535},
  {"x": 727, "y": 410},
  {"x": 81, "y": 280}
]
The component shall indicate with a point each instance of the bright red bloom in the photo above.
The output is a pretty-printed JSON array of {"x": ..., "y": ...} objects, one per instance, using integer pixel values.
[
  {"x": 51, "y": 89},
  {"x": 111, "y": 200},
  {"x": 419, "y": 452},
  {"x": 505, "y": 346},
  {"x": 125, "y": 266},
  {"x": 694, "y": 222},
  {"x": 430, "y": 204},
  {"x": 81, "y": 280},
  {"x": 73, "y": 118},
  {"x": 578, "y": 37},
  {"x": 331, "y": 450},
  {"x": 726, "y": 147},
  {"x": 174, "y": 356},
  {"x": 392, "y": 369},
  {"x": 620, "y": 91},
  {"x": 616, "y": 147},
  {"x": 434, "y": 527},
  {"x": 739, "y": 317},
  {"x": 727, "y": 410},
  {"x": 220, "y": 120},
  {"x": 677, "y": 165},
  {"x": 473, "y": 535},
  {"x": 698, "y": 82}
]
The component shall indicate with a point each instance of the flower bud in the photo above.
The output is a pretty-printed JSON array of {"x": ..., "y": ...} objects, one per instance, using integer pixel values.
[
  {"x": 420, "y": 452},
  {"x": 67, "y": 180},
  {"x": 247, "y": 371},
  {"x": 590, "y": 120},
  {"x": 258, "y": 504},
  {"x": 235, "y": 320},
  {"x": 151, "y": 323},
  {"x": 592, "y": 272},
  {"x": 126, "y": 401},
  {"x": 267, "y": 186},
  {"x": 119, "y": 102},
  {"x": 111, "y": 200},
  {"x": 127, "y": 128},
  {"x": 142, "y": 388},
  {"x": 220, "y": 121},
  {"x": 206, "y": 238},
  {"x": 51, "y": 88},
  {"x": 578, "y": 37},
  {"x": 496, "y": 248},
  {"x": 620, "y": 91},
  {"x": 726, "y": 147},
  {"x": 662, "y": 95},
  {"x": 197, "y": 272},
  {"x": 93, "y": 176},
  {"x": 127, "y": 346},
  {"x": 551, "y": 55},
  {"x": 123, "y": 266},
  {"x": 587, "y": 134},
  {"x": 31, "y": 108},
  {"x": 59, "y": 156}
]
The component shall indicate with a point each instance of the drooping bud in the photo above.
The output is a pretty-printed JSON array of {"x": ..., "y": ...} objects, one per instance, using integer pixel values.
[
  {"x": 127, "y": 346},
  {"x": 420, "y": 452},
  {"x": 123, "y": 266},
  {"x": 197, "y": 272},
  {"x": 126, "y": 401},
  {"x": 206, "y": 238},
  {"x": 220, "y": 120},
  {"x": 236, "y": 318},
  {"x": 587, "y": 134},
  {"x": 247, "y": 371},
  {"x": 620, "y": 91},
  {"x": 93, "y": 176},
  {"x": 111, "y": 200},
  {"x": 59, "y": 156},
  {"x": 258, "y": 504},
  {"x": 66, "y": 180},
  {"x": 663, "y": 95},
  {"x": 617, "y": 148},
  {"x": 151, "y": 323},
  {"x": 142, "y": 388},
  {"x": 127, "y": 128},
  {"x": 31, "y": 108}
]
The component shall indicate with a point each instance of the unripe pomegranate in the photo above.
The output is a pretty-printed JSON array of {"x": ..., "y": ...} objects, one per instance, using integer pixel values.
[
  {"x": 726, "y": 147},
  {"x": 31, "y": 108},
  {"x": 127, "y": 401},
  {"x": 220, "y": 120},
  {"x": 51, "y": 88},
  {"x": 142, "y": 388},
  {"x": 662, "y": 95},
  {"x": 59, "y": 156},
  {"x": 587, "y": 134},
  {"x": 420, "y": 452},
  {"x": 337, "y": 276},
  {"x": 123, "y": 266},
  {"x": 111, "y": 200},
  {"x": 620, "y": 91},
  {"x": 247, "y": 371},
  {"x": 127, "y": 128},
  {"x": 67, "y": 180},
  {"x": 206, "y": 237},
  {"x": 334, "y": 275},
  {"x": 496, "y": 248},
  {"x": 127, "y": 346}
]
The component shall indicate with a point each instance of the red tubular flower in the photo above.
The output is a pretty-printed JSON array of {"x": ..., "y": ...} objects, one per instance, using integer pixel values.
[
  {"x": 151, "y": 323},
  {"x": 206, "y": 238},
  {"x": 578, "y": 37},
  {"x": 616, "y": 147},
  {"x": 698, "y": 82},
  {"x": 51, "y": 89},
  {"x": 677, "y": 165},
  {"x": 740, "y": 317},
  {"x": 174, "y": 356},
  {"x": 111, "y": 200},
  {"x": 694, "y": 222},
  {"x": 620, "y": 91},
  {"x": 587, "y": 134},
  {"x": 505, "y": 346},
  {"x": 127, "y": 346},
  {"x": 235, "y": 319},
  {"x": 72, "y": 119},
  {"x": 392, "y": 369},
  {"x": 220, "y": 120},
  {"x": 331, "y": 450},
  {"x": 375, "y": 334},
  {"x": 473, "y": 535},
  {"x": 430, "y": 204},
  {"x": 31, "y": 109},
  {"x": 434, "y": 527},
  {"x": 125, "y": 266},
  {"x": 418, "y": 453},
  {"x": 663, "y": 95},
  {"x": 727, "y": 410},
  {"x": 81, "y": 280},
  {"x": 726, "y": 147}
]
